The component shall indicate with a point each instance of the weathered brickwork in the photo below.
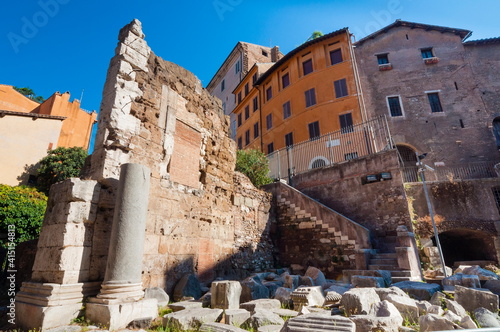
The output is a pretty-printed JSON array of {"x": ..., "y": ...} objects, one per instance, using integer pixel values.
[{"x": 202, "y": 216}]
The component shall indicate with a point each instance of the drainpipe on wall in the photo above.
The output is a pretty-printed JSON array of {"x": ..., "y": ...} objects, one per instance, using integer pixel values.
[{"x": 361, "y": 101}]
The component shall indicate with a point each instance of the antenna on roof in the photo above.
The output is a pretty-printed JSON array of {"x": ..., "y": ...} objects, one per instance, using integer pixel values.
[{"x": 81, "y": 97}]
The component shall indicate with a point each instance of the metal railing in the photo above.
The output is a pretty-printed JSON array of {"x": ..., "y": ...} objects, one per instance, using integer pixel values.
[
  {"x": 477, "y": 170},
  {"x": 348, "y": 143}
]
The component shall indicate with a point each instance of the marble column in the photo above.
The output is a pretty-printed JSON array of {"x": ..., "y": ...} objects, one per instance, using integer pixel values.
[{"x": 122, "y": 286}]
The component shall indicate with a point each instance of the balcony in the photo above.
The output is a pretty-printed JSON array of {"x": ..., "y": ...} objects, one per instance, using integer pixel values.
[
  {"x": 385, "y": 67},
  {"x": 430, "y": 61}
]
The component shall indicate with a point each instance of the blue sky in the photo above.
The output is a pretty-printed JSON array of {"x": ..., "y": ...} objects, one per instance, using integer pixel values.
[{"x": 66, "y": 45}]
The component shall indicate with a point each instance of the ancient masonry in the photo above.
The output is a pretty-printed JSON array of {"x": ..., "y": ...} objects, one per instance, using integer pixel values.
[{"x": 162, "y": 136}]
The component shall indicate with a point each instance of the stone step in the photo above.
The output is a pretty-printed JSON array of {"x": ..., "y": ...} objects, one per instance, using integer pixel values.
[
  {"x": 383, "y": 261},
  {"x": 401, "y": 273},
  {"x": 385, "y": 256},
  {"x": 383, "y": 267},
  {"x": 398, "y": 279}
]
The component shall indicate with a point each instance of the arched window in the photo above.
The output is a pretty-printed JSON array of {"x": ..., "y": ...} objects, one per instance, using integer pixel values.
[
  {"x": 318, "y": 162},
  {"x": 407, "y": 155}
]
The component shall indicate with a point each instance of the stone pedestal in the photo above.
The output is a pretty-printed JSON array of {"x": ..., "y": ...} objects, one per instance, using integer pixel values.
[
  {"x": 120, "y": 300},
  {"x": 407, "y": 253},
  {"x": 47, "y": 305}
]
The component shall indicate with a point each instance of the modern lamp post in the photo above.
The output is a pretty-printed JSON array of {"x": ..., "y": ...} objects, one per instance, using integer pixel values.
[{"x": 421, "y": 170}]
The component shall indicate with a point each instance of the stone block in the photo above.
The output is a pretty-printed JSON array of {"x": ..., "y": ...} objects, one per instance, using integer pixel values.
[
  {"x": 31, "y": 316},
  {"x": 307, "y": 296},
  {"x": 418, "y": 290},
  {"x": 183, "y": 305},
  {"x": 456, "y": 308},
  {"x": 486, "y": 318},
  {"x": 483, "y": 274},
  {"x": 226, "y": 294},
  {"x": 157, "y": 293},
  {"x": 372, "y": 323},
  {"x": 188, "y": 286},
  {"x": 471, "y": 299},
  {"x": 406, "y": 306},
  {"x": 284, "y": 295},
  {"x": 462, "y": 280},
  {"x": 236, "y": 317},
  {"x": 285, "y": 313},
  {"x": 316, "y": 275},
  {"x": 219, "y": 327},
  {"x": 192, "y": 319},
  {"x": 362, "y": 281},
  {"x": 253, "y": 289},
  {"x": 267, "y": 304},
  {"x": 120, "y": 315},
  {"x": 432, "y": 322},
  {"x": 384, "y": 292},
  {"x": 262, "y": 317},
  {"x": 493, "y": 286},
  {"x": 320, "y": 322},
  {"x": 358, "y": 301}
]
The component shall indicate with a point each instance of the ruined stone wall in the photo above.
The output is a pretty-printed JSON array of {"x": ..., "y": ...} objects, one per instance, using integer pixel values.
[
  {"x": 202, "y": 216},
  {"x": 379, "y": 206}
]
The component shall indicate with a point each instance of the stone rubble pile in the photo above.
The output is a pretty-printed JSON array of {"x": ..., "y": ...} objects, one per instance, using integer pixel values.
[{"x": 264, "y": 302}]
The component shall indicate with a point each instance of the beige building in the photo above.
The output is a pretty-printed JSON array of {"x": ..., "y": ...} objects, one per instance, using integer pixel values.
[
  {"x": 233, "y": 70},
  {"x": 28, "y": 129}
]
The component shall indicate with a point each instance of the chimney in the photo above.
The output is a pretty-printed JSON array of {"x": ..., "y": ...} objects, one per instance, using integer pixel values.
[{"x": 275, "y": 54}]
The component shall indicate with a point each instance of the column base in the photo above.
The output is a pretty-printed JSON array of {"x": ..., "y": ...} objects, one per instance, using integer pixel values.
[
  {"x": 46, "y": 305},
  {"x": 117, "y": 314}
]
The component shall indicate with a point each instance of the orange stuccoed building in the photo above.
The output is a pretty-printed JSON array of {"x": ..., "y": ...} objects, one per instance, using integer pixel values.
[
  {"x": 311, "y": 91},
  {"x": 29, "y": 129}
]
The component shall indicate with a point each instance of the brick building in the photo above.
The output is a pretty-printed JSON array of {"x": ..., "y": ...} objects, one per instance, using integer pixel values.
[
  {"x": 233, "y": 69},
  {"x": 436, "y": 90}
]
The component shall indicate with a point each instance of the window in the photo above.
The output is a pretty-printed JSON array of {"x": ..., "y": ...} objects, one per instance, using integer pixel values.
[
  {"x": 264, "y": 53},
  {"x": 255, "y": 104},
  {"x": 239, "y": 97},
  {"x": 427, "y": 53},
  {"x": 435, "y": 102},
  {"x": 270, "y": 148},
  {"x": 246, "y": 89},
  {"x": 314, "y": 130},
  {"x": 317, "y": 163},
  {"x": 240, "y": 144},
  {"x": 394, "y": 106},
  {"x": 407, "y": 155},
  {"x": 287, "y": 111},
  {"x": 346, "y": 123},
  {"x": 239, "y": 120},
  {"x": 285, "y": 80},
  {"x": 336, "y": 56},
  {"x": 269, "y": 121},
  {"x": 247, "y": 137},
  {"x": 289, "y": 140},
  {"x": 496, "y": 130},
  {"x": 307, "y": 66},
  {"x": 254, "y": 78},
  {"x": 310, "y": 97},
  {"x": 496, "y": 195},
  {"x": 256, "y": 130},
  {"x": 222, "y": 85},
  {"x": 340, "y": 88},
  {"x": 237, "y": 67},
  {"x": 247, "y": 112},
  {"x": 269, "y": 93},
  {"x": 383, "y": 59},
  {"x": 351, "y": 155}
]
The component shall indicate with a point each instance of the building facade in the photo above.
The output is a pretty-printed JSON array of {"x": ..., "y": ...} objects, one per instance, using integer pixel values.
[
  {"x": 434, "y": 90},
  {"x": 233, "y": 69},
  {"x": 311, "y": 91},
  {"x": 28, "y": 129}
]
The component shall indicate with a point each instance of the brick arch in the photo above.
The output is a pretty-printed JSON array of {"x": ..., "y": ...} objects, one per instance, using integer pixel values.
[
  {"x": 466, "y": 244},
  {"x": 406, "y": 154}
]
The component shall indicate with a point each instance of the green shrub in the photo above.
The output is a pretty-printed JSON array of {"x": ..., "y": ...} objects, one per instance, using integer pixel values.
[
  {"x": 24, "y": 208},
  {"x": 60, "y": 164},
  {"x": 255, "y": 165}
]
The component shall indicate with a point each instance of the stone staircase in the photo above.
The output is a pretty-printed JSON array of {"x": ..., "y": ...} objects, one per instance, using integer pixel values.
[
  {"x": 306, "y": 220},
  {"x": 389, "y": 262}
]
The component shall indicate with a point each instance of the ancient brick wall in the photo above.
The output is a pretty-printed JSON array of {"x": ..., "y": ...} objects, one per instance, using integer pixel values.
[
  {"x": 202, "y": 216},
  {"x": 379, "y": 206}
]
